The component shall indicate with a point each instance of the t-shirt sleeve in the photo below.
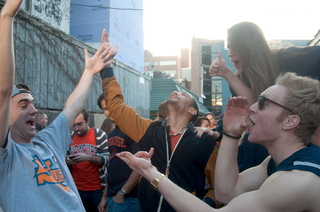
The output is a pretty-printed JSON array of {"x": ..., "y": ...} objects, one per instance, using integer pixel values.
[{"x": 57, "y": 134}]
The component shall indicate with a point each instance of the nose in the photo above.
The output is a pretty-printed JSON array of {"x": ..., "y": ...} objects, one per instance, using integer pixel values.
[
  {"x": 75, "y": 128},
  {"x": 33, "y": 110},
  {"x": 230, "y": 53},
  {"x": 254, "y": 108},
  {"x": 175, "y": 92}
]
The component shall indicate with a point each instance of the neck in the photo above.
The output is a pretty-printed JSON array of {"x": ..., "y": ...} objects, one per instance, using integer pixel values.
[
  {"x": 177, "y": 123},
  {"x": 282, "y": 149}
]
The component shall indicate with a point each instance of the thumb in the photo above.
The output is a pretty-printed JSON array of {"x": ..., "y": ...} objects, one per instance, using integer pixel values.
[
  {"x": 86, "y": 54},
  {"x": 220, "y": 57}
]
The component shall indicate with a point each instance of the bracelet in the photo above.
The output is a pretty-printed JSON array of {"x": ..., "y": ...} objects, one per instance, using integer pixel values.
[
  {"x": 104, "y": 195},
  {"x": 231, "y": 136}
]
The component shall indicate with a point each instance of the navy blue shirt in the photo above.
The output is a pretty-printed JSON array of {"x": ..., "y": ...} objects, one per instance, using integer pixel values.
[
  {"x": 118, "y": 171},
  {"x": 305, "y": 159},
  {"x": 250, "y": 154}
]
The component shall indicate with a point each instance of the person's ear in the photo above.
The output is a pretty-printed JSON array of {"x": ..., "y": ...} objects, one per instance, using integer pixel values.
[
  {"x": 88, "y": 121},
  {"x": 193, "y": 111},
  {"x": 290, "y": 122}
]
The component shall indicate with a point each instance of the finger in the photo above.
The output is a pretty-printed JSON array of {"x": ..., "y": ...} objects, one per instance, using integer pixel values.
[
  {"x": 246, "y": 104},
  {"x": 196, "y": 129},
  {"x": 199, "y": 134},
  {"x": 116, "y": 47},
  {"x": 151, "y": 151},
  {"x": 107, "y": 37},
  {"x": 229, "y": 104},
  {"x": 100, "y": 50},
  {"x": 103, "y": 35},
  {"x": 220, "y": 57},
  {"x": 86, "y": 54}
]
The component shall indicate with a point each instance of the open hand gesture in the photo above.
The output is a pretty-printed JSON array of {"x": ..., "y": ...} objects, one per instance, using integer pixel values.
[
  {"x": 98, "y": 61},
  {"x": 236, "y": 115},
  {"x": 105, "y": 39},
  {"x": 140, "y": 162}
]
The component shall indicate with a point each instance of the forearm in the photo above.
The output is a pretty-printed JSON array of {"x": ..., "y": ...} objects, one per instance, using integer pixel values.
[
  {"x": 178, "y": 198},
  {"x": 227, "y": 172},
  {"x": 78, "y": 97},
  {"x": 239, "y": 87},
  {"x": 7, "y": 72},
  {"x": 97, "y": 160},
  {"x": 132, "y": 182},
  {"x": 125, "y": 117}
]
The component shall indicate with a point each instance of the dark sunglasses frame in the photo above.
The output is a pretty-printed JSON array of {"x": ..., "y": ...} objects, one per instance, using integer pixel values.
[{"x": 261, "y": 100}]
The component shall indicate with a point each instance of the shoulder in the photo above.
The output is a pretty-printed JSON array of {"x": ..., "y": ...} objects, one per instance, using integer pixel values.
[
  {"x": 294, "y": 186},
  {"x": 99, "y": 134}
]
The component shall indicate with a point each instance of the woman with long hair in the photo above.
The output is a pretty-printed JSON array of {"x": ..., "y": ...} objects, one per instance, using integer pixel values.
[{"x": 258, "y": 65}]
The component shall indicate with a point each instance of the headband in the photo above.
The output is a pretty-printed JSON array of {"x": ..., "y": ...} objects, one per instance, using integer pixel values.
[{"x": 16, "y": 91}]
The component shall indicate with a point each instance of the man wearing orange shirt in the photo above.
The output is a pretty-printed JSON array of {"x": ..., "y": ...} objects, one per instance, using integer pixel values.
[{"x": 88, "y": 159}]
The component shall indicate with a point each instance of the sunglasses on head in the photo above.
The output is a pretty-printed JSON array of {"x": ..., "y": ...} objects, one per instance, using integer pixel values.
[{"x": 261, "y": 100}]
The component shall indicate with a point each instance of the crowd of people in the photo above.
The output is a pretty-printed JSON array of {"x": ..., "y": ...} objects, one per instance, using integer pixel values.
[{"x": 262, "y": 155}]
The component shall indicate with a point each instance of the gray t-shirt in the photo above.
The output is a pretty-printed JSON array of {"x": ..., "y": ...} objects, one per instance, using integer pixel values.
[{"x": 35, "y": 176}]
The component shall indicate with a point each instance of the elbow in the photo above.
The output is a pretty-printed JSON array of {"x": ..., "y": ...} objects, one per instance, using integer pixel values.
[{"x": 222, "y": 197}]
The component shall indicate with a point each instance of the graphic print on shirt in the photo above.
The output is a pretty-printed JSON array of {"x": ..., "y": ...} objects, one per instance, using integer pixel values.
[
  {"x": 46, "y": 174},
  {"x": 113, "y": 143},
  {"x": 83, "y": 148}
]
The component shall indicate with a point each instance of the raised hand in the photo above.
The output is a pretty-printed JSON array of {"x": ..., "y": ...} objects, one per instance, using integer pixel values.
[
  {"x": 98, "y": 61},
  {"x": 11, "y": 8},
  {"x": 140, "y": 162},
  {"x": 219, "y": 67},
  {"x": 236, "y": 115},
  {"x": 105, "y": 39}
]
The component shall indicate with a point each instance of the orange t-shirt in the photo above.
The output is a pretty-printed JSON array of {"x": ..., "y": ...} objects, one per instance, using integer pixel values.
[
  {"x": 174, "y": 140},
  {"x": 85, "y": 174}
]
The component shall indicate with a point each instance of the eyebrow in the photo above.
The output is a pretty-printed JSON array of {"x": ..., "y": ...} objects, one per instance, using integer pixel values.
[{"x": 26, "y": 100}]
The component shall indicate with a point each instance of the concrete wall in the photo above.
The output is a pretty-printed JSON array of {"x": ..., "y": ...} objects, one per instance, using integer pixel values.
[{"x": 51, "y": 62}]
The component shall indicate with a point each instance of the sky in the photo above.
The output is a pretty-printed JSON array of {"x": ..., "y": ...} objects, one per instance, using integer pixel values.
[{"x": 169, "y": 25}]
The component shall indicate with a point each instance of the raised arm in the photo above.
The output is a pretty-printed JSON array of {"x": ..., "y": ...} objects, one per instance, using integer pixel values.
[
  {"x": 125, "y": 117},
  {"x": 79, "y": 96},
  {"x": 228, "y": 182},
  {"x": 7, "y": 67},
  {"x": 220, "y": 68}
]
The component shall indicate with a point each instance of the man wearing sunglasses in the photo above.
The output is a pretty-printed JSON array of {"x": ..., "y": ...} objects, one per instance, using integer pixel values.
[{"x": 283, "y": 120}]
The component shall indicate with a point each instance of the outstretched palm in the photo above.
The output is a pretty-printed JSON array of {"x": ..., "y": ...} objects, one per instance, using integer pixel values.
[
  {"x": 235, "y": 116},
  {"x": 105, "y": 39},
  {"x": 98, "y": 61}
]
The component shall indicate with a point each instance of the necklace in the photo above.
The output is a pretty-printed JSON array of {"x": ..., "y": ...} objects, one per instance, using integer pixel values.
[{"x": 179, "y": 133}]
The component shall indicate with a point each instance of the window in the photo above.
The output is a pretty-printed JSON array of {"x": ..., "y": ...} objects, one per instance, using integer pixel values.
[
  {"x": 216, "y": 86},
  {"x": 168, "y": 63},
  {"x": 216, "y": 99}
]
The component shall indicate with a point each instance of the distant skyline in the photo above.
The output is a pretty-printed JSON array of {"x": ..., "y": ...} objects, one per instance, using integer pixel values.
[{"x": 170, "y": 25}]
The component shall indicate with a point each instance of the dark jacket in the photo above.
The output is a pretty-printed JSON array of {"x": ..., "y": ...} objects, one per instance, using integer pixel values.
[{"x": 187, "y": 164}]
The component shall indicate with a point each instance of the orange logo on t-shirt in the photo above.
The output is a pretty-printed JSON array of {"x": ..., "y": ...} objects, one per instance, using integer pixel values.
[{"x": 46, "y": 175}]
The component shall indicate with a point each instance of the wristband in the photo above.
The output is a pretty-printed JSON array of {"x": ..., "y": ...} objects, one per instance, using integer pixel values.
[
  {"x": 122, "y": 192},
  {"x": 104, "y": 195},
  {"x": 230, "y": 136},
  {"x": 155, "y": 182}
]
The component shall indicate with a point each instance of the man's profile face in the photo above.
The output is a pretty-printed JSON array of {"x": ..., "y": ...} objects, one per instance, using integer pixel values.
[
  {"x": 181, "y": 100},
  {"x": 80, "y": 126},
  {"x": 266, "y": 124},
  {"x": 106, "y": 111},
  {"x": 22, "y": 117}
]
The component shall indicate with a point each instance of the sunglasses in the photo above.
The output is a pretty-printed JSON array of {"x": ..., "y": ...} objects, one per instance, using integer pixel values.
[{"x": 261, "y": 100}]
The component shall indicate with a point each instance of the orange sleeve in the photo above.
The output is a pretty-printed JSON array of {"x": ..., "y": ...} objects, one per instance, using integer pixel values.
[
  {"x": 129, "y": 122},
  {"x": 209, "y": 172}
]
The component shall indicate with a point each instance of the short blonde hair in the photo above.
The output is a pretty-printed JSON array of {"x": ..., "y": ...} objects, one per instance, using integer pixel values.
[{"x": 303, "y": 98}]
